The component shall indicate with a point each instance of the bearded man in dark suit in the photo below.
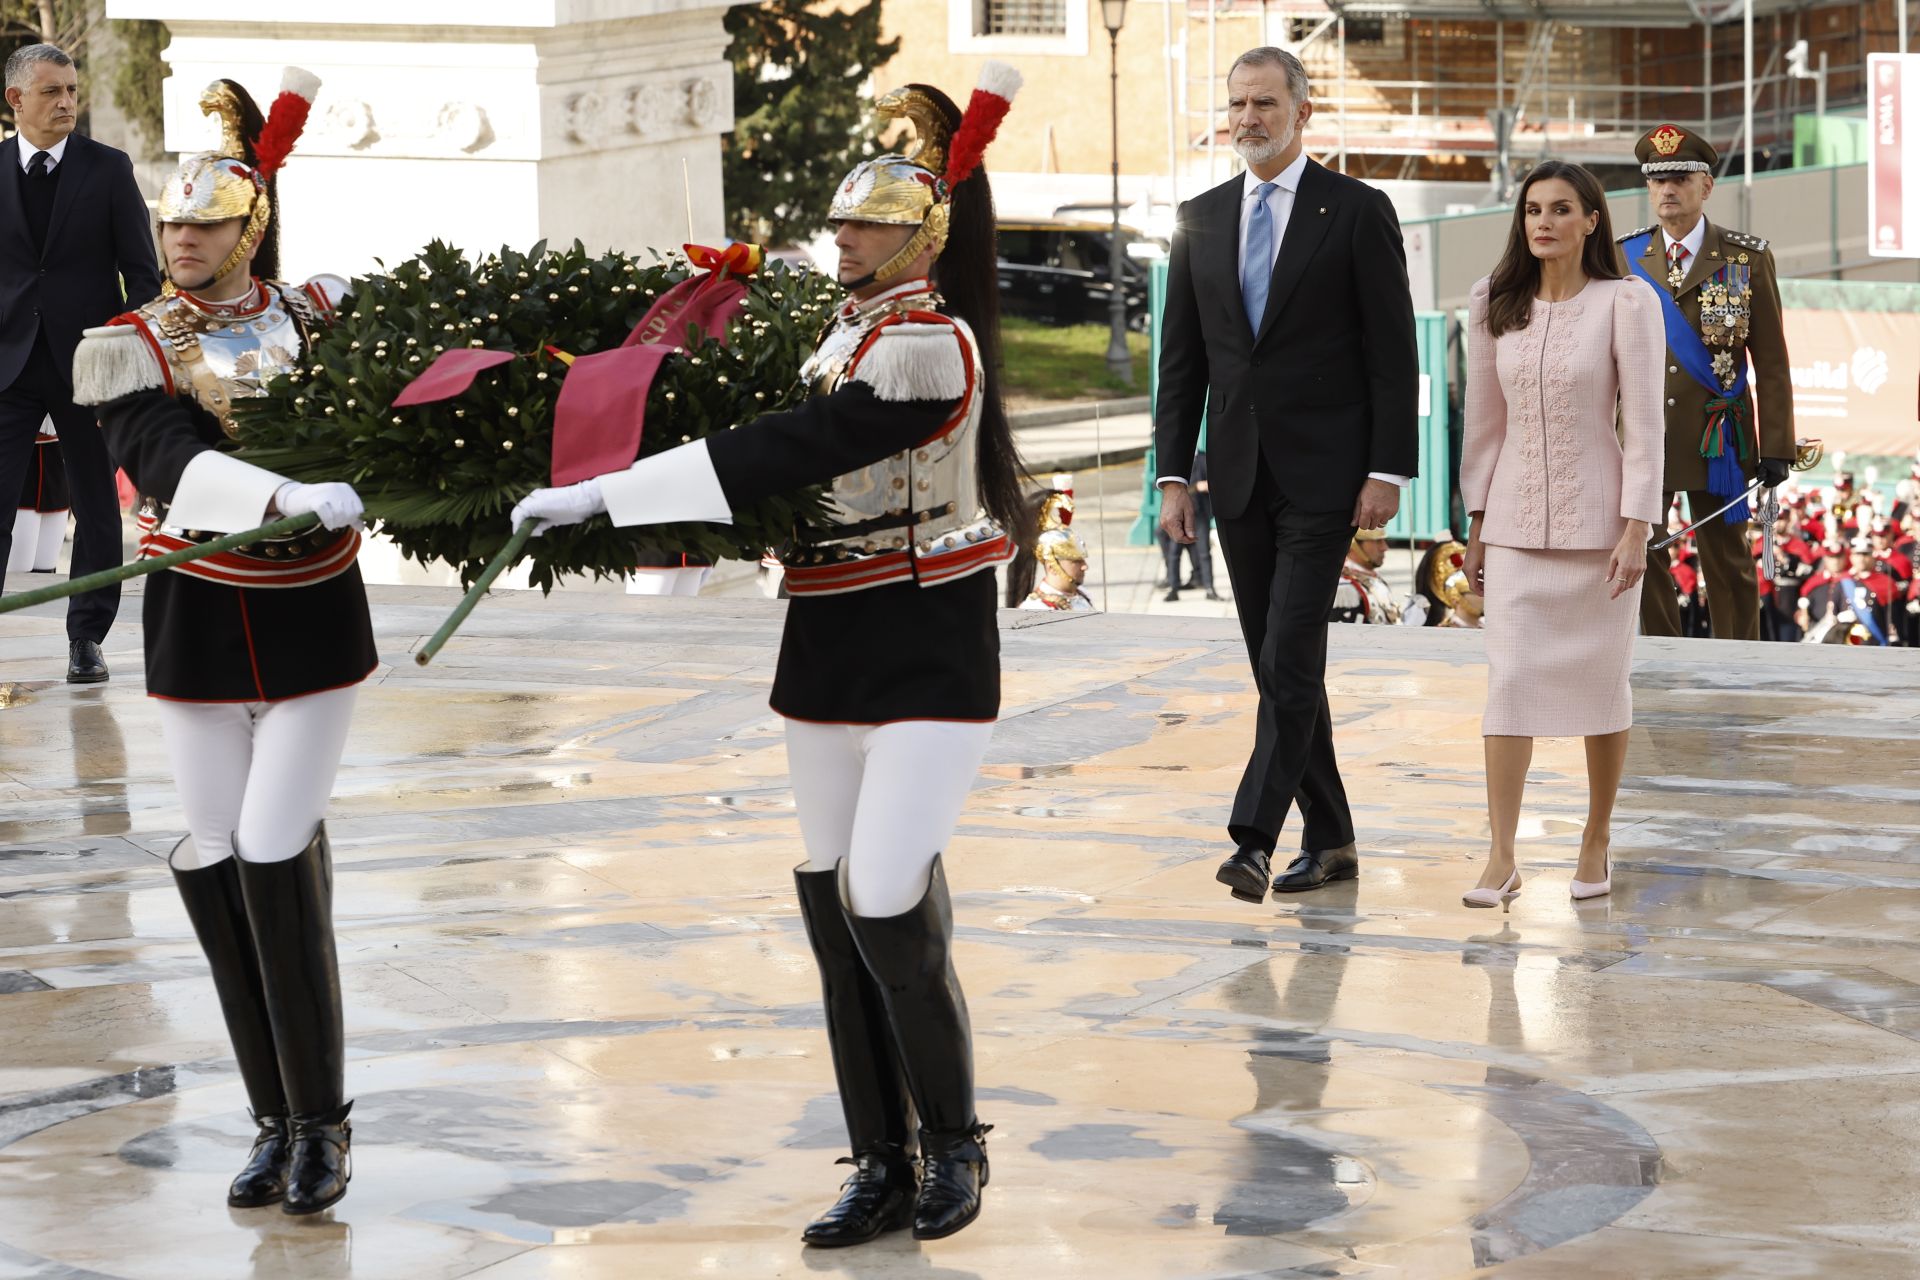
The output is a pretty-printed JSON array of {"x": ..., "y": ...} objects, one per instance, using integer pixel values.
[
  {"x": 76, "y": 250},
  {"x": 1289, "y": 326}
]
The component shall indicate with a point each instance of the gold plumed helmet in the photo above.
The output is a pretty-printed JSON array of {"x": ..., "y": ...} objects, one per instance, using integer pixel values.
[
  {"x": 1447, "y": 577},
  {"x": 1057, "y": 542},
  {"x": 915, "y": 189},
  {"x": 232, "y": 182}
]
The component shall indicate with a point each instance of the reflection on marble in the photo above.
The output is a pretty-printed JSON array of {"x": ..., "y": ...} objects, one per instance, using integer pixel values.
[{"x": 584, "y": 1031}]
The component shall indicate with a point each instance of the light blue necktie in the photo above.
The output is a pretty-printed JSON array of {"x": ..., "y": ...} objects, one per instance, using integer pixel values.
[{"x": 1256, "y": 265}]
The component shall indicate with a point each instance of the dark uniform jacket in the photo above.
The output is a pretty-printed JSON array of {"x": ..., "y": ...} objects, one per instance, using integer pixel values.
[
  {"x": 214, "y": 642},
  {"x": 1766, "y": 344}
]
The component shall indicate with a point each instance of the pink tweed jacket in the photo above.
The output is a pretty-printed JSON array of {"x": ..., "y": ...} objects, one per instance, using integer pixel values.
[{"x": 1543, "y": 457}]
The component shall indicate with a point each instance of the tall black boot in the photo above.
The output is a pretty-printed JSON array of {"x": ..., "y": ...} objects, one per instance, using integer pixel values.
[
  {"x": 879, "y": 1197},
  {"x": 219, "y": 918},
  {"x": 290, "y": 906},
  {"x": 910, "y": 955}
]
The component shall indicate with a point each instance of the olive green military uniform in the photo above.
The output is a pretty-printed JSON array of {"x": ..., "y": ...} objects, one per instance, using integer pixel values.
[{"x": 1731, "y": 287}]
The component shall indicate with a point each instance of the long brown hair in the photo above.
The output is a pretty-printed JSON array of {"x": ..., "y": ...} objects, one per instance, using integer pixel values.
[
  {"x": 967, "y": 273},
  {"x": 1517, "y": 279}
]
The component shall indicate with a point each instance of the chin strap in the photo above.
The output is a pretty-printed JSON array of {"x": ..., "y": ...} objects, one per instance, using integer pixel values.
[{"x": 932, "y": 233}]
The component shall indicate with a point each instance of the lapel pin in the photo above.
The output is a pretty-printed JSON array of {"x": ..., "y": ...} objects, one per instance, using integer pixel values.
[{"x": 1323, "y": 208}]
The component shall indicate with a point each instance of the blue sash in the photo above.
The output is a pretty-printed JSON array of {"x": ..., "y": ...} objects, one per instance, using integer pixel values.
[
  {"x": 1682, "y": 338},
  {"x": 1863, "y": 602},
  {"x": 1725, "y": 476}
]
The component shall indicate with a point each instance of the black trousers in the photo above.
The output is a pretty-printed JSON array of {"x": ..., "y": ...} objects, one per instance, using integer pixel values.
[
  {"x": 42, "y": 390},
  {"x": 1284, "y": 564}
]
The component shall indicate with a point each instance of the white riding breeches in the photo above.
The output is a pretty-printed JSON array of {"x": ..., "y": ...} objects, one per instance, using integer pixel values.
[
  {"x": 668, "y": 582},
  {"x": 36, "y": 541},
  {"x": 884, "y": 798},
  {"x": 256, "y": 775}
]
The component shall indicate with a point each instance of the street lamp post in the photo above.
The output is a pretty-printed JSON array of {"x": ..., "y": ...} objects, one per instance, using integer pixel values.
[{"x": 1119, "y": 361}]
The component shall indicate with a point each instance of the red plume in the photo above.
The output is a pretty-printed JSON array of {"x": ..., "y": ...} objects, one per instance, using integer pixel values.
[
  {"x": 991, "y": 101},
  {"x": 285, "y": 121}
]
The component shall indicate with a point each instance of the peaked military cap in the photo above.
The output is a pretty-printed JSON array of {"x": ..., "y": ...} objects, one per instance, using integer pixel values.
[{"x": 1670, "y": 149}]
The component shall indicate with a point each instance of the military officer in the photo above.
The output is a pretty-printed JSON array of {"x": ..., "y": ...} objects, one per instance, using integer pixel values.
[{"x": 1724, "y": 312}]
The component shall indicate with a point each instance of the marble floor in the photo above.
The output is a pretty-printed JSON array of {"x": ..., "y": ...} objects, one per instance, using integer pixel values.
[{"x": 583, "y": 1023}]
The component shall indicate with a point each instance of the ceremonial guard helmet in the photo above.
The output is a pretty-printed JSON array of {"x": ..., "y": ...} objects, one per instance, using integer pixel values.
[
  {"x": 1447, "y": 579},
  {"x": 915, "y": 189},
  {"x": 1058, "y": 544},
  {"x": 237, "y": 179},
  {"x": 1367, "y": 535}
]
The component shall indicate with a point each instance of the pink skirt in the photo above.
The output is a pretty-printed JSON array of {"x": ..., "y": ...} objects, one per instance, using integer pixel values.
[{"x": 1558, "y": 650}]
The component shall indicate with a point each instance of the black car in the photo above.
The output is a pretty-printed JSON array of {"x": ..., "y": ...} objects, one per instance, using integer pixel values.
[{"x": 1057, "y": 271}]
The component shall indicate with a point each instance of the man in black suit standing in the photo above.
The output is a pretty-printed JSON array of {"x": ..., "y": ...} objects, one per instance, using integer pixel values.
[
  {"x": 74, "y": 234},
  {"x": 1289, "y": 325}
]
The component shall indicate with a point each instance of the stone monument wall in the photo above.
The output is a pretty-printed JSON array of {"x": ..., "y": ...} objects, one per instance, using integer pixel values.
[{"x": 482, "y": 122}]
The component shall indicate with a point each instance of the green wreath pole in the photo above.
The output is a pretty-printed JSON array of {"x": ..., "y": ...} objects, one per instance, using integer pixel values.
[
  {"x": 141, "y": 568},
  {"x": 495, "y": 567}
]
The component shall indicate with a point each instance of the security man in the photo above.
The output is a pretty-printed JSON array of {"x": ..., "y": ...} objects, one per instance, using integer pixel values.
[{"x": 1722, "y": 308}]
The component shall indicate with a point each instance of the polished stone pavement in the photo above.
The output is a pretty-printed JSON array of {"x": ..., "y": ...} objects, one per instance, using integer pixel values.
[{"x": 583, "y": 1022}]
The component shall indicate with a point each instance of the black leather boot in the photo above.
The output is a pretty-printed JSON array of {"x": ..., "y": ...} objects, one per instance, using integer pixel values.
[
  {"x": 910, "y": 956},
  {"x": 290, "y": 905},
  {"x": 879, "y": 1197},
  {"x": 219, "y": 918}
]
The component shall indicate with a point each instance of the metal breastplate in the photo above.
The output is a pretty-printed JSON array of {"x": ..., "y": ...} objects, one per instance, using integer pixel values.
[
  {"x": 219, "y": 355},
  {"x": 924, "y": 500}
]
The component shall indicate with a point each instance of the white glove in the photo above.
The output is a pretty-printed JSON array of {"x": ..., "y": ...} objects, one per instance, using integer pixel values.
[
  {"x": 569, "y": 504},
  {"x": 337, "y": 505}
]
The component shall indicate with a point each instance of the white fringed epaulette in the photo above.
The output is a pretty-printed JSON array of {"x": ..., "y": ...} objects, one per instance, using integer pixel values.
[
  {"x": 114, "y": 361},
  {"x": 914, "y": 362}
]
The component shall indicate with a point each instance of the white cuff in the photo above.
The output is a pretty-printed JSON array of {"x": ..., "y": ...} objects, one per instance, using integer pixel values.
[
  {"x": 667, "y": 488},
  {"x": 1398, "y": 482},
  {"x": 1171, "y": 480},
  {"x": 221, "y": 494}
]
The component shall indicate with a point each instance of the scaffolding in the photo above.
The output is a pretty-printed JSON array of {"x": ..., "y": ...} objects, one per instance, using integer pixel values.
[{"x": 1474, "y": 90}]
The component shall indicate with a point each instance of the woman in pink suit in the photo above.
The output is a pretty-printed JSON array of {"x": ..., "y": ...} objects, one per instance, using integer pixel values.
[{"x": 1561, "y": 475}]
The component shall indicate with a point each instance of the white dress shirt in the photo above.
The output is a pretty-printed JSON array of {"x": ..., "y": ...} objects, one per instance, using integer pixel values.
[
  {"x": 1693, "y": 240},
  {"x": 1279, "y": 204},
  {"x": 1280, "y": 209},
  {"x": 28, "y": 151}
]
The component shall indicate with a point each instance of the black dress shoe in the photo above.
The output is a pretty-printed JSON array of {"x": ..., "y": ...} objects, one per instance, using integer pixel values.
[
  {"x": 878, "y": 1198},
  {"x": 1171, "y": 596},
  {"x": 321, "y": 1163},
  {"x": 1212, "y": 594},
  {"x": 1246, "y": 873},
  {"x": 84, "y": 663},
  {"x": 954, "y": 1170},
  {"x": 1311, "y": 870},
  {"x": 264, "y": 1180}
]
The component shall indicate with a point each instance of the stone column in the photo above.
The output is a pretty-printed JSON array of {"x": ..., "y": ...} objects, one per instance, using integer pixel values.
[{"x": 477, "y": 122}]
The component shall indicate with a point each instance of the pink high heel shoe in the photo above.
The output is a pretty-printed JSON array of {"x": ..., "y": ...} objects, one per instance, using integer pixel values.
[
  {"x": 1502, "y": 897},
  {"x": 1584, "y": 889}
]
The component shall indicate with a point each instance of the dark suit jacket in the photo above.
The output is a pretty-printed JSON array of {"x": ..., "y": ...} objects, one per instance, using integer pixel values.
[
  {"x": 1329, "y": 389},
  {"x": 100, "y": 236}
]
